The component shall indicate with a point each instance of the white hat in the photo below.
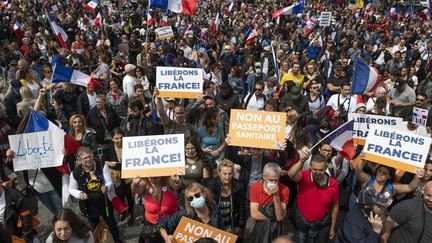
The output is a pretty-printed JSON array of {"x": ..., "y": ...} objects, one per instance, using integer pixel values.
[{"x": 129, "y": 68}]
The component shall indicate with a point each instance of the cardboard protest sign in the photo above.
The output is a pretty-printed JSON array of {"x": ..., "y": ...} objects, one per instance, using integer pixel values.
[
  {"x": 398, "y": 149},
  {"x": 325, "y": 19},
  {"x": 189, "y": 230},
  {"x": 174, "y": 82},
  {"x": 257, "y": 129},
  {"x": 151, "y": 156},
  {"x": 37, "y": 149},
  {"x": 362, "y": 123},
  {"x": 164, "y": 32},
  {"x": 420, "y": 116}
]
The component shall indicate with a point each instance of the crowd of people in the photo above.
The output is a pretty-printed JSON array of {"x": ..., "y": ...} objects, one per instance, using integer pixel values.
[{"x": 291, "y": 65}]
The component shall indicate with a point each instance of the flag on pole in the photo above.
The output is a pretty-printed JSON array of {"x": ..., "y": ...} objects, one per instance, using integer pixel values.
[
  {"x": 38, "y": 123},
  {"x": 91, "y": 6},
  {"x": 276, "y": 66},
  {"x": 230, "y": 7},
  {"x": 97, "y": 21},
  {"x": 5, "y": 4},
  {"x": 188, "y": 31},
  {"x": 58, "y": 31},
  {"x": 250, "y": 36},
  {"x": 293, "y": 9},
  {"x": 70, "y": 75},
  {"x": 17, "y": 30},
  {"x": 164, "y": 21},
  {"x": 216, "y": 25},
  {"x": 176, "y": 6},
  {"x": 341, "y": 139},
  {"x": 150, "y": 19},
  {"x": 409, "y": 12}
]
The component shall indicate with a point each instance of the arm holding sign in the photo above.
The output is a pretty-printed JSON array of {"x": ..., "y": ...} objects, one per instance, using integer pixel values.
[
  {"x": 160, "y": 108},
  {"x": 361, "y": 175},
  {"x": 406, "y": 188}
]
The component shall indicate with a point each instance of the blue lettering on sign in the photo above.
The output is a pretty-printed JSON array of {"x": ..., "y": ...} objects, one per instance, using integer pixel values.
[{"x": 26, "y": 149}]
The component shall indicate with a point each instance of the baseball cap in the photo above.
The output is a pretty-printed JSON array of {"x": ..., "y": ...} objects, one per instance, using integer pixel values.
[
  {"x": 295, "y": 92},
  {"x": 399, "y": 82},
  {"x": 369, "y": 196}
]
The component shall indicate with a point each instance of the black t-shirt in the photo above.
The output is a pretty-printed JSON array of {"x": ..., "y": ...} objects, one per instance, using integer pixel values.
[
  {"x": 336, "y": 81},
  {"x": 413, "y": 220}
]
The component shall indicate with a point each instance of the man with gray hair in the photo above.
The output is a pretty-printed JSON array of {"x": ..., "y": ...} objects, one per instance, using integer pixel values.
[{"x": 268, "y": 201}]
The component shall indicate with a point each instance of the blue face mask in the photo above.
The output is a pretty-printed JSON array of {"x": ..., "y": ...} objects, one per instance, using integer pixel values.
[
  {"x": 198, "y": 203},
  {"x": 270, "y": 184}
]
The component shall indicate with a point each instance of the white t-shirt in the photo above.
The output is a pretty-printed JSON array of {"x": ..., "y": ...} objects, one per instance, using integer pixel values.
[
  {"x": 254, "y": 103},
  {"x": 333, "y": 102},
  {"x": 2, "y": 206},
  {"x": 128, "y": 85},
  {"x": 92, "y": 100}
]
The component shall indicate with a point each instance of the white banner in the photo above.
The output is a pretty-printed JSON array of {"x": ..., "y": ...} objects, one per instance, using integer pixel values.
[
  {"x": 174, "y": 82},
  {"x": 325, "y": 19},
  {"x": 152, "y": 156},
  {"x": 164, "y": 32},
  {"x": 362, "y": 123},
  {"x": 398, "y": 149},
  {"x": 420, "y": 116},
  {"x": 37, "y": 150}
]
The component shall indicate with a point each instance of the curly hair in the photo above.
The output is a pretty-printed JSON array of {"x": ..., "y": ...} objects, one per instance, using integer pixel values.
[{"x": 79, "y": 228}]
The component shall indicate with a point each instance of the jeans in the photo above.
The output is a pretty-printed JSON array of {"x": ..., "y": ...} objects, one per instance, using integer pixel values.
[
  {"x": 303, "y": 237},
  {"x": 51, "y": 200}
]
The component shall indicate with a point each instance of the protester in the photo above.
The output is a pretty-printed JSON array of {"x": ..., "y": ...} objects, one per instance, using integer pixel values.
[{"x": 68, "y": 227}]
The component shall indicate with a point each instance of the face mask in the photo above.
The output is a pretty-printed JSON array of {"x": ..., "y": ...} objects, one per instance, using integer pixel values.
[
  {"x": 258, "y": 70},
  {"x": 270, "y": 184},
  {"x": 198, "y": 203}
]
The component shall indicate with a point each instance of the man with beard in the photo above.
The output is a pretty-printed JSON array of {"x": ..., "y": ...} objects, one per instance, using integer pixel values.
[
  {"x": 420, "y": 102},
  {"x": 400, "y": 96},
  {"x": 410, "y": 220},
  {"x": 315, "y": 214},
  {"x": 138, "y": 124}
]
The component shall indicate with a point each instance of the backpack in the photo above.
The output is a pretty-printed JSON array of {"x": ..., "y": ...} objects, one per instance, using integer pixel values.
[{"x": 249, "y": 97}]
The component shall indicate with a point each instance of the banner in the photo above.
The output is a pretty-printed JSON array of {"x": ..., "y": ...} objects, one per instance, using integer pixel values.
[
  {"x": 257, "y": 129},
  {"x": 164, "y": 32},
  {"x": 420, "y": 116},
  {"x": 174, "y": 82},
  {"x": 37, "y": 149},
  {"x": 189, "y": 230},
  {"x": 325, "y": 19},
  {"x": 401, "y": 150},
  {"x": 151, "y": 156},
  {"x": 362, "y": 123}
]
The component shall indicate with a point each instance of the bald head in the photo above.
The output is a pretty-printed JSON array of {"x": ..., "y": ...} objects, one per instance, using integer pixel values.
[{"x": 283, "y": 239}]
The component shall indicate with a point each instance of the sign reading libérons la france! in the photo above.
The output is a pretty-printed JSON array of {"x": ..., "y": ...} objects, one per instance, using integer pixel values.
[
  {"x": 152, "y": 156},
  {"x": 174, "y": 82}
]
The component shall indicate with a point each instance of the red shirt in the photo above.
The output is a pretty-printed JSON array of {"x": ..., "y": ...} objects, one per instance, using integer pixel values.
[
  {"x": 151, "y": 207},
  {"x": 313, "y": 202},
  {"x": 258, "y": 195}
]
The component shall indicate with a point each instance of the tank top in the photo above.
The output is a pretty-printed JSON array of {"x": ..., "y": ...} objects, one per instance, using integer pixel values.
[{"x": 151, "y": 206}]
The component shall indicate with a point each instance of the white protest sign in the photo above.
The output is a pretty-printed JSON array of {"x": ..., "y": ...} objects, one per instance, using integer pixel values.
[
  {"x": 174, "y": 82},
  {"x": 151, "y": 156},
  {"x": 362, "y": 123},
  {"x": 37, "y": 149},
  {"x": 164, "y": 32},
  {"x": 420, "y": 116},
  {"x": 325, "y": 19},
  {"x": 398, "y": 149}
]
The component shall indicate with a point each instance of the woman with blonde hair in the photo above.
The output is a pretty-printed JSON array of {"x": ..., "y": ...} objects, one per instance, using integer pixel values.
[
  {"x": 291, "y": 119},
  {"x": 27, "y": 101},
  {"x": 199, "y": 206}
]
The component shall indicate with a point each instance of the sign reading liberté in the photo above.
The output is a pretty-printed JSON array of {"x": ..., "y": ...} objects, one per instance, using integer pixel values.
[
  {"x": 189, "y": 230},
  {"x": 174, "y": 82},
  {"x": 398, "y": 149},
  {"x": 152, "y": 156},
  {"x": 257, "y": 129},
  {"x": 363, "y": 122},
  {"x": 37, "y": 149}
]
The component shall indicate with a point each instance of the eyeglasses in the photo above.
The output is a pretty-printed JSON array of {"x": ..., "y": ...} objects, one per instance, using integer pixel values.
[
  {"x": 196, "y": 195},
  {"x": 258, "y": 89}
]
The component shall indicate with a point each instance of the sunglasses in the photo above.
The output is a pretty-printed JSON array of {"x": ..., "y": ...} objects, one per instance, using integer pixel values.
[
  {"x": 196, "y": 195},
  {"x": 422, "y": 100},
  {"x": 315, "y": 88},
  {"x": 258, "y": 89}
]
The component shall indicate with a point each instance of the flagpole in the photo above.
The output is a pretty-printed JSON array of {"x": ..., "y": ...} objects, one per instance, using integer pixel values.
[
  {"x": 327, "y": 136},
  {"x": 147, "y": 30}
]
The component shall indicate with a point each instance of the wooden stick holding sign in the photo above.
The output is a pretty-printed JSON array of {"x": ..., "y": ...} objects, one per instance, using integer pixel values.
[{"x": 189, "y": 230}]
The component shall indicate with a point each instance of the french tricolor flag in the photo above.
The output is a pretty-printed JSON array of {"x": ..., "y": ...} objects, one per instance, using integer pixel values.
[
  {"x": 5, "y": 4},
  {"x": 216, "y": 25},
  {"x": 70, "y": 75},
  {"x": 17, "y": 30},
  {"x": 39, "y": 123},
  {"x": 58, "y": 31},
  {"x": 341, "y": 139},
  {"x": 97, "y": 21},
  {"x": 164, "y": 21},
  {"x": 150, "y": 19},
  {"x": 250, "y": 36},
  {"x": 230, "y": 7},
  {"x": 91, "y": 6},
  {"x": 176, "y": 6},
  {"x": 293, "y": 9},
  {"x": 188, "y": 31},
  {"x": 364, "y": 79},
  {"x": 424, "y": 14}
]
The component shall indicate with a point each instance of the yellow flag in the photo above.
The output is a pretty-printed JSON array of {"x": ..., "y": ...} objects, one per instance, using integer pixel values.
[{"x": 359, "y": 4}]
